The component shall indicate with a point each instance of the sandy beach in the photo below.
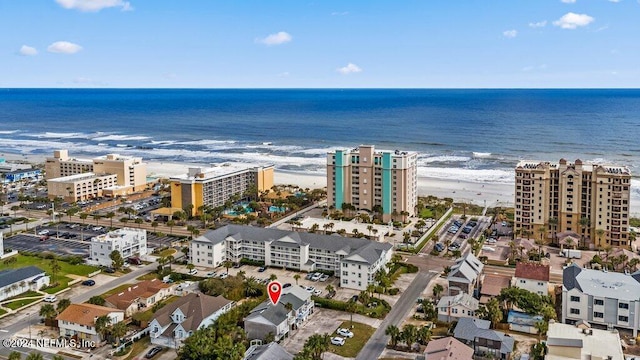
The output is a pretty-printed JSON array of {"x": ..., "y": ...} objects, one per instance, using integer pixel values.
[{"x": 491, "y": 194}]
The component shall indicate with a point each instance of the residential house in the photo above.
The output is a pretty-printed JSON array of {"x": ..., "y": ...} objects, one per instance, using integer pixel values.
[
  {"x": 599, "y": 297},
  {"x": 484, "y": 341},
  {"x": 533, "y": 277},
  {"x": 447, "y": 348},
  {"x": 279, "y": 320},
  {"x": 465, "y": 275},
  {"x": 573, "y": 342},
  {"x": 175, "y": 322},
  {"x": 451, "y": 308},
  {"x": 492, "y": 285},
  {"x": 270, "y": 351},
  {"x": 355, "y": 261},
  {"x": 17, "y": 281},
  {"x": 79, "y": 320},
  {"x": 523, "y": 322},
  {"x": 139, "y": 296}
]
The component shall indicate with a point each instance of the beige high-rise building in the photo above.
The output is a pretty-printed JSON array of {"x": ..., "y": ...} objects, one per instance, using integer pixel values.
[
  {"x": 590, "y": 200},
  {"x": 63, "y": 181},
  {"x": 368, "y": 179}
]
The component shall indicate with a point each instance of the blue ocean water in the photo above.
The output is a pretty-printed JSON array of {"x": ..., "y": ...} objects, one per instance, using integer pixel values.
[{"x": 477, "y": 135}]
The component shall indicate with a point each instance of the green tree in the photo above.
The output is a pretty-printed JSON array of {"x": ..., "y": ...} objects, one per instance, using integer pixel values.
[
  {"x": 116, "y": 259},
  {"x": 424, "y": 335},
  {"x": 394, "y": 333},
  {"x": 48, "y": 312},
  {"x": 96, "y": 217},
  {"x": 35, "y": 356},
  {"x": 351, "y": 309},
  {"x": 110, "y": 215},
  {"x": 492, "y": 312},
  {"x": 102, "y": 325},
  {"x": 227, "y": 264},
  {"x": 437, "y": 290},
  {"x": 171, "y": 224},
  {"x": 409, "y": 334},
  {"x": 296, "y": 277},
  {"x": 14, "y": 355},
  {"x": 63, "y": 304},
  {"x": 55, "y": 269},
  {"x": 542, "y": 327},
  {"x": 118, "y": 330},
  {"x": 97, "y": 300}
]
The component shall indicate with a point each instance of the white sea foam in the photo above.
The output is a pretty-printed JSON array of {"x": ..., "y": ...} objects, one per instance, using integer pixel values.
[
  {"x": 472, "y": 175},
  {"x": 481, "y": 154},
  {"x": 7, "y": 132},
  {"x": 162, "y": 142},
  {"x": 56, "y": 135},
  {"x": 115, "y": 137},
  {"x": 319, "y": 151},
  {"x": 443, "y": 159},
  {"x": 205, "y": 142}
]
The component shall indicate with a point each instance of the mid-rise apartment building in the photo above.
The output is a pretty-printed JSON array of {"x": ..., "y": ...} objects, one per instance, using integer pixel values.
[
  {"x": 605, "y": 298},
  {"x": 355, "y": 261},
  {"x": 70, "y": 178},
  {"x": 128, "y": 241},
  {"x": 215, "y": 185},
  {"x": 366, "y": 178},
  {"x": 558, "y": 197}
]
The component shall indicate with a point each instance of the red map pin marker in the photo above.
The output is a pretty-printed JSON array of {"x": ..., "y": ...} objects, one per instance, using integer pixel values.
[{"x": 275, "y": 291}]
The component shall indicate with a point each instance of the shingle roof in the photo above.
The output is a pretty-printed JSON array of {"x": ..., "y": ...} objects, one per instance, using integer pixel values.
[
  {"x": 467, "y": 268},
  {"x": 195, "y": 307},
  {"x": 142, "y": 289},
  {"x": 447, "y": 348},
  {"x": 533, "y": 271},
  {"x": 369, "y": 251},
  {"x": 84, "y": 314},
  {"x": 469, "y": 329},
  {"x": 12, "y": 276},
  {"x": 294, "y": 295},
  {"x": 569, "y": 275},
  {"x": 492, "y": 284},
  {"x": 463, "y": 299},
  {"x": 270, "y": 351}
]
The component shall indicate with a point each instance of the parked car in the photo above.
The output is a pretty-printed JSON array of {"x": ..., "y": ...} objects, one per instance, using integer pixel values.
[
  {"x": 308, "y": 276},
  {"x": 337, "y": 341},
  {"x": 110, "y": 270},
  {"x": 211, "y": 274},
  {"x": 134, "y": 261},
  {"x": 193, "y": 272},
  {"x": 97, "y": 228},
  {"x": 284, "y": 286},
  {"x": 491, "y": 241},
  {"x": 324, "y": 277},
  {"x": 50, "y": 298},
  {"x": 310, "y": 289},
  {"x": 43, "y": 232},
  {"x": 262, "y": 269},
  {"x": 89, "y": 282},
  {"x": 224, "y": 275},
  {"x": 317, "y": 292},
  {"x": 439, "y": 247},
  {"x": 153, "y": 352},
  {"x": 316, "y": 277},
  {"x": 345, "y": 333}
]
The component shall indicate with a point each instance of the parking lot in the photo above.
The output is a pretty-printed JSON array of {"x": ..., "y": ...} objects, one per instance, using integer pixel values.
[
  {"x": 33, "y": 243},
  {"x": 456, "y": 231}
]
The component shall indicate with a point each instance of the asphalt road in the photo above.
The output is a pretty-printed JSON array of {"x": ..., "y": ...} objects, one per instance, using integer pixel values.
[{"x": 378, "y": 341}]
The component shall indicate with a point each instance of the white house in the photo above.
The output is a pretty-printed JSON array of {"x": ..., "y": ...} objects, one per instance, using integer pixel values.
[
  {"x": 140, "y": 296},
  {"x": 465, "y": 275},
  {"x": 277, "y": 320},
  {"x": 128, "y": 241},
  {"x": 79, "y": 320},
  {"x": 532, "y": 277},
  {"x": 175, "y": 322},
  {"x": 603, "y": 298},
  {"x": 355, "y": 261},
  {"x": 16, "y": 281},
  {"x": 452, "y": 308}
]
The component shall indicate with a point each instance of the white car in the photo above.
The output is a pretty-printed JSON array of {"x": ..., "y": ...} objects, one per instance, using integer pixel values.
[
  {"x": 50, "y": 298},
  {"x": 193, "y": 272},
  {"x": 211, "y": 274},
  {"x": 316, "y": 277},
  {"x": 310, "y": 289},
  {"x": 344, "y": 333},
  {"x": 492, "y": 241},
  {"x": 337, "y": 341},
  {"x": 43, "y": 232},
  {"x": 317, "y": 292},
  {"x": 224, "y": 275},
  {"x": 324, "y": 277}
]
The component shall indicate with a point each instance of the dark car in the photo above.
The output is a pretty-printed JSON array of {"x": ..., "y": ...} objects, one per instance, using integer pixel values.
[
  {"x": 439, "y": 247},
  {"x": 134, "y": 261},
  {"x": 286, "y": 285},
  {"x": 153, "y": 352},
  {"x": 262, "y": 269},
  {"x": 110, "y": 270},
  {"x": 89, "y": 282}
]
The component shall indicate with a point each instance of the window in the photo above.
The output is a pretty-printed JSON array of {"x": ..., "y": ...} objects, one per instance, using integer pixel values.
[
  {"x": 623, "y": 318},
  {"x": 454, "y": 311},
  {"x": 575, "y": 299},
  {"x": 598, "y": 315},
  {"x": 598, "y": 302},
  {"x": 575, "y": 311},
  {"x": 522, "y": 281},
  {"x": 345, "y": 281},
  {"x": 540, "y": 284},
  {"x": 623, "y": 306}
]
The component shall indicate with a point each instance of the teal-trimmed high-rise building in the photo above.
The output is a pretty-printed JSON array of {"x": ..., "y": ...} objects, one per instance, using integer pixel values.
[{"x": 370, "y": 179}]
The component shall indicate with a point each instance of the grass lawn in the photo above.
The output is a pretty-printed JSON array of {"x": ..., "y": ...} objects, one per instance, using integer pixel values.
[
  {"x": 19, "y": 303},
  {"x": 426, "y": 213},
  {"x": 351, "y": 347},
  {"x": 167, "y": 252},
  {"x": 138, "y": 347},
  {"x": 2, "y": 311},
  {"x": 62, "y": 281},
  {"x": 149, "y": 276},
  {"x": 44, "y": 264}
]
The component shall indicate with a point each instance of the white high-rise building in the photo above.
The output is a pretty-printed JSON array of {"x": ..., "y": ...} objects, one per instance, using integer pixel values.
[{"x": 128, "y": 241}]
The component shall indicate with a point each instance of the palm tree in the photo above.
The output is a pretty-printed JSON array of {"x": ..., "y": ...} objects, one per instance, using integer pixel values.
[
  {"x": 351, "y": 308},
  {"x": 227, "y": 264},
  {"x": 102, "y": 325},
  {"x": 424, "y": 335},
  {"x": 251, "y": 287},
  {"x": 110, "y": 215},
  {"x": 63, "y": 304},
  {"x": 171, "y": 224},
  {"x": 273, "y": 277},
  {"x": 553, "y": 222},
  {"x": 14, "y": 355},
  {"x": 409, "y": 334},
  {"x": 296, "y": 277},
  {"x": 437, "y": 290},
  {"x": 330, "y": 289},
  {"x": 394, "y": 333},
  {"x": 35, "y": 356},
  {"x": 542, "y": 327},
  {"x": 600, "y": 233},
  {"x": 118, "y": 330},
  {"x": 96, "y": 217},
  {"x": 48, "y": 312},
  {"x": 584, "y": 223},
  {"x": 55, "y": 268}
]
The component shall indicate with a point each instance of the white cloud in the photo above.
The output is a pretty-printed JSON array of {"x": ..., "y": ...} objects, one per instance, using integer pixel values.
[
  {"x": 531, "y": 68},
  {"x": 572, "y": 21},
  {"x": 339, "y": 13},
  {"x": 614, "y": 1},
  {"x": 279, "y": 38},
  {"x": 349, "y": 69},
  {"x": 94, "y": 5},
  {"x": 284, "y": 74},
  {"x": 538, "y": 24},
  {"x": 86, "y": 81},
  {"x": 510, "y": 33},
  {"x": 27, "y": 51},
  {"x": 64, "y": 47},
  {"x": 569, "y": 1}
]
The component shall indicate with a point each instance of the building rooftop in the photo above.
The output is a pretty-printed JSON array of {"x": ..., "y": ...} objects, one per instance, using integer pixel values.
[
  {"x": 270, "y": 351},
  {"x": 84, "y": 314},
  {"x": 466, "y": 269},
  {"x": 594, "y": 343},
  {"x": 12, "y": 276},
  {"x": 294, "y": 295},
  {"x": 142, "y": 289},
  {"x": 608, "y": 168},
  {"x": 492, "y": 284},
  {"x": 118, "y": 234},
  {"x": 468, "y": 329},
  {"x": 217, "y": 171},
  {"x": 602, "y": 284},
  {"x": 447, "y": 348},
  {"x": 76, "y": 177},
  {"x": 533, "y": 271},
  {"x": 463, "y": 299},
  {"x": 354, "y": 249},
  {"x": 195, "y": 307}
]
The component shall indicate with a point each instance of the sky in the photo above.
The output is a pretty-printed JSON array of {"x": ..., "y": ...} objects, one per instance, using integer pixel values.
[{"x": 320, "y": 43}]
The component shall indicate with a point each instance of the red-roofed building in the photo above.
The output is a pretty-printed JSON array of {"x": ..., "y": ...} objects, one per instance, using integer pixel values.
[
  {"x": 533, "y": 277},
  {"x": 139, "y": 296},
  {"x": 447, "y": 348}
]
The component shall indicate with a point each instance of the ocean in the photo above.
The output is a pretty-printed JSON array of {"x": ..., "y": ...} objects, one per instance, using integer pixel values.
[{"x": 474, "y": 135}]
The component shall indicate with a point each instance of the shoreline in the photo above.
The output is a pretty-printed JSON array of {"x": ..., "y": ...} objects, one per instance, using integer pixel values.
[{"x": 483, "y": 194}]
